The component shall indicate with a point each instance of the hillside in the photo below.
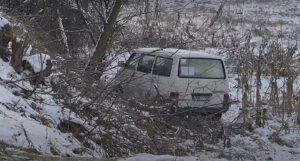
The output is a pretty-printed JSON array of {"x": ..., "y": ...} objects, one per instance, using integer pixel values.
[{"x": 58, "y": 103}]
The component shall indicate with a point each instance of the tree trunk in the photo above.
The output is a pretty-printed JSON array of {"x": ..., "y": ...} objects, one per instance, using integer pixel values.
[
  {"x": 289, "y": 96},
  {"x": 259, "y": 114},
  {"x": 274, "y": 88},
  {"x": 102, "y": 43},
  {"x": 245, "y": 100},
  {"x": 297, "y": 109}
]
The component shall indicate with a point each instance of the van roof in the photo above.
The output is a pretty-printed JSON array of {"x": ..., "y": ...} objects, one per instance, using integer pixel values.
[{"x": 171, "y": 52}]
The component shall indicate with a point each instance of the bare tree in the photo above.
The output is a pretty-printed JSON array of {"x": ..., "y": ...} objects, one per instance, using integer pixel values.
[{"x": 104, "y": 40}]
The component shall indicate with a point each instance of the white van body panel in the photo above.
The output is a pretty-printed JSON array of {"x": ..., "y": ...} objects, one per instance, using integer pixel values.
[{"x": 193, "y": 92}]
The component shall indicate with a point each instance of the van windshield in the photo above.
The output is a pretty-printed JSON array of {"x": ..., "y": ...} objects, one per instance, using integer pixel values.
[{"x": 201, "y": 68}]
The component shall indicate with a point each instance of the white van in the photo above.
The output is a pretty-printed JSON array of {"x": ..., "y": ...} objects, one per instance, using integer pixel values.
[{"x": 188, "y": 79}]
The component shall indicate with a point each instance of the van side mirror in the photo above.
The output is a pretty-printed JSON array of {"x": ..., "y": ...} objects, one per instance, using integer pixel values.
[{"x": 121, "y": 63}]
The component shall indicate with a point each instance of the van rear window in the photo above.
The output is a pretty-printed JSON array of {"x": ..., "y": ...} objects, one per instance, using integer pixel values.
[{"x": 201, "y": 68}]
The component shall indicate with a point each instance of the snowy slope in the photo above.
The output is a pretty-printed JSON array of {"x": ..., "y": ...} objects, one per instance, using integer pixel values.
[
  {"x": 21, "y": 119},
  {"x": 20, "y": 127},
  {"x": 30, "y": 116}
]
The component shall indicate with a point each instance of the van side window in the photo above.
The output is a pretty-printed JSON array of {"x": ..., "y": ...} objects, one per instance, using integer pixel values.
[
  {"x": 163, "y": 66},
  {"x": 131, "y": 62},
  {"x": 145, "y": 64}
]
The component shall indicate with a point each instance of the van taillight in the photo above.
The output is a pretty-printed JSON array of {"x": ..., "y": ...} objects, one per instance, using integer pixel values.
[
  {"x": 226, "y": 97},
  {"x": 174, "y": 96}
]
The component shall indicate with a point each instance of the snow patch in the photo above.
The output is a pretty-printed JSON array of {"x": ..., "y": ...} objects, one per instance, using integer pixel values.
[
  {"x": 3, "y": 22},
  {"x": 37, "y": 61},
  {"x": 150, "y": 157}
]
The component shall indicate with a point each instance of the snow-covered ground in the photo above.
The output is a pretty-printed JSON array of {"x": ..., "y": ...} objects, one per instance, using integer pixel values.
[
  {"x": 31, "y": 123},
  {"x": 259, "y": 144},
  {"x": 149, "y": 157},
  {"x": 3, "y": 21}
]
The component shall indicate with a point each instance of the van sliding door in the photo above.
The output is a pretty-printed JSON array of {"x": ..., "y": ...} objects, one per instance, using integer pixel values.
[{"x": 161, "y": 72}]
